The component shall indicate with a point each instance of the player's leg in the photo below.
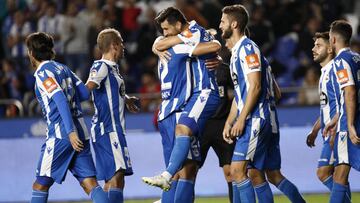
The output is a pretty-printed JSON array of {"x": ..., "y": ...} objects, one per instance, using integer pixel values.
[
  {"x": 245, "y": 191},
  {"x": 185, "y": 186},
  {"x": 285, "y": 186},
  {"x": 115, "y": 186},
  {"x": 325, "y": 165},
  {"x": 261, "y": 186},
  {"x": 55, "y": 158}
]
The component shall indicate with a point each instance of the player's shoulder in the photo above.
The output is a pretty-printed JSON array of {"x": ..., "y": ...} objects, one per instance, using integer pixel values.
[{"x": 97, "y": 64}]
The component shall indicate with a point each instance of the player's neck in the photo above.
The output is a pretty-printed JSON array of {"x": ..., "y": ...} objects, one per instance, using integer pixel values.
[
  {"x": 340, "y": 46},
  {"x": 325, "y": 62},
  {"x": 235, "y": 38},
  {"x": 109, "y": 56}
]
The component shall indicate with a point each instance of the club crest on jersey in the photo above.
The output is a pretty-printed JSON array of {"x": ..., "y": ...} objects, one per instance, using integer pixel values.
[
  {"x": 41, "y": 73},
  {"x": 252, "y": 61},
  {"x": 50, "y": 85},
  {"x": 342, "y": 76},
  {"x": 93, "y": 73}
]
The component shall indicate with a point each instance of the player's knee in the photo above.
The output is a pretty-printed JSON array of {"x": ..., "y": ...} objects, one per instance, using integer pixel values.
[
  {"x": 237, "y": 174},
  {"x": 274, "y": 177},
  {"x": 227, "y": 173},
  {"x": 341, "y": 174},
  {"x": 189, "y": 170},
  {"x": 323, "y": 173},
  {"x": 182, "y": 130},
  {"x": 257, "y": 177},
  {"x": 88, "y": 184},
  {"x": 43, "y": 183},
  {"x": 117, "y": 181}
]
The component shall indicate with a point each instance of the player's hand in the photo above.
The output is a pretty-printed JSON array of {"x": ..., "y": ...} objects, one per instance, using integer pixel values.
[
  {"x": 238, "y": 128},
  {"x": 329, "y": 129},
  {"x": 163, "y": 55},
  {"x": 353, "y": 135},
  {"x": 226, "y": 133},
  {"x": 213, "y": 63},
  {"x": 76, "y": 143},
  {"x": 130, "y": 104},
  {"x": 310, "y": 139}
]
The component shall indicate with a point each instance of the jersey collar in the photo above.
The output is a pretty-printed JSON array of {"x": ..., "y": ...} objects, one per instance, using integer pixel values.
[
  {"x": 343, "y": 49},
  {"x": 111, "y": 63},
  {"x": 39, "y": 66},
  {"x": 328, "y": 65},
  {"x": 238, "y": 43},
  {"x": 192, "y": 23}
]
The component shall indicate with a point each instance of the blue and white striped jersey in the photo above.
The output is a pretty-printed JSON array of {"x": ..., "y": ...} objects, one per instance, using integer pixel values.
[
  {"x": 328, "y": 90},
  {"x": 271, "y": 95},
  {"x": 175, "y": 78},
  {"x": 245, "y": 59},
  {"x": 52, "y": 77},
  {"x": 203, "y": 78},
  {"x": 109, "y": 98},
  {"x": 347, "y": 71}
]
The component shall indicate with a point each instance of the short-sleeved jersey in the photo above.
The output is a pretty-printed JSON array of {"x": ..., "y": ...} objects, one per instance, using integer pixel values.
[
  {"x": 271, "y": 96},
  {"x": 175, "y": 78},
  {"x": 347, "y": 72},
  {"x": 52, "y": 77},
  {"x": 203, "y": 78},
  {"x": 328, "y": 91},
  {"x": 109, "y": 98},
  {"x": 245, "y": 59}
]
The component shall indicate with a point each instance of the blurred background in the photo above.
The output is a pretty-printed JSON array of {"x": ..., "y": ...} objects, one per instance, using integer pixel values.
[{"x": 283, "y": 29}]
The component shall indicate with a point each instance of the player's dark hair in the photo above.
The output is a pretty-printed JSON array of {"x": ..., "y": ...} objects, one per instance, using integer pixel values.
[
  {"x": 322, "y": 35},
  {"x": 41, "y": 46},
  {"x": 172, "y": 15},
  {"x": 239, "y": 14},
  {"x": 106, "y": 38},
  {"x": 342, "y": 28}
]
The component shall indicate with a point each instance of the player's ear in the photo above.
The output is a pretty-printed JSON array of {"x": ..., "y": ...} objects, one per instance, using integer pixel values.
[
  {"x": 178, "y": 25},
  {"x": 234, "y": 24}
]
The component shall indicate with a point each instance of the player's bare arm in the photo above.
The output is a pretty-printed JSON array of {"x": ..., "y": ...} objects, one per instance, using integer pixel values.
[
  {"x": 229, "y": 122},
  {"x": 330, "y": 128},
  {"x": 250, "y": 102},
  {"x": 311, "y": 137},
  {"x": 130, "y": 103},
  {"x": 350, "y": 104},
  {"x": 276, "y": 88},
  {"x": 163, "y": 55}
]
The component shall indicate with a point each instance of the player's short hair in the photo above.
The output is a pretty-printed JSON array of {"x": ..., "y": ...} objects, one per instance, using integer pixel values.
[
  {"x": 322, "y": 35},
  {"x": 239, "y": 14},
  {"x": 172, "y": 15},
  {"x": 106, "y": 38},
  {"x": 342, "y": 28},
  {"x": 41, "y": 46}
]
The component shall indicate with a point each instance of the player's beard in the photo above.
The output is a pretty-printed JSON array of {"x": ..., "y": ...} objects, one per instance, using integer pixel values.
[
  {"x": 320, "y": 57},
  {"x": 227, "y": 33}
]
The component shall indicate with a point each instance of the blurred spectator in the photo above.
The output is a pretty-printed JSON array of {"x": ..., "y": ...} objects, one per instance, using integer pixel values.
[
  {"x": 11, "y": 81},
  {"x": 95, "y": 27},
  {"x": 191, "y": 12},
  {"x": 355, "y": 45},
  {"x": 36, "y": 10},
  {"x": 309, "y": 93},
  {"x": 211, "y": 10},
  {"x": 113, "y": 15},
  {"x": 89, "y": 13},
  {"x": 261, "y": 30},
  {"x": 129, "y": 19},
  {"x": 149, "y": 86},
  {"x": 16, "y": 39},
  {"x": 74, "y": 32},
  {"x": 50, "y": 23}
]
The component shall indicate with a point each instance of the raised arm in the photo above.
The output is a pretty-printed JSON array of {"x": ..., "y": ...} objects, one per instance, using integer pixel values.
[{"x": 206, "y": 48}]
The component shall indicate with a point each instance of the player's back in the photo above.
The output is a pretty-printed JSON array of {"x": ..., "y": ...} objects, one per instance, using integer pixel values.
[
  {"x": 175, "y": 78},
  {"x": 347, "y": 69},
  {"x": 203, "y": 77},
  {"x": 271, "y": 96},
  {"x": 246, "y": 58},
  {"x": 52, "y": 77},
  {"x": 109, "y": 98}
]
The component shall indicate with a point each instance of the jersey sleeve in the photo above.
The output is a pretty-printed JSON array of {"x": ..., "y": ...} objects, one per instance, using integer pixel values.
[
  {"x": 343, "y": 74},
  {"x": 191, "y": 38},
  {"x": 46, "y": 81},
  {"x": 250, "y": 55},
  {"x": 97, "y": 73},
  {"x": 80, "y": 87}
]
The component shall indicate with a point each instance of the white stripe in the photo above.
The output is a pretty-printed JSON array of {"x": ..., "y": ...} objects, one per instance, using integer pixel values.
[
  {"x": 274, "y": 127},
  {"x": 94, "y": 121},
  {"x": 188, "y": 79},
  {"x": 102, "y": 131},
  {"x": 200, "y": 73},
  {"x": 121, "y": 106},
  {"x": 47, "y": 158},
  {"x": 57, "y": 131},
  {"x": 175, "y": 101},
  {"x": 261, "y": 110},
  {"x": 109, "y": 95},
  {"x": 343, "y": 154},
  {"x": 199, "y": 105},
  {"x": 163, "y": 107},
  {"x": 84, "y": 128},
  {"x": 117, "y": 151},
  {"x": 255, "y": 125}
]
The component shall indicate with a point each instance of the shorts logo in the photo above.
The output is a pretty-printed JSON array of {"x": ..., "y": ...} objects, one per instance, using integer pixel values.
[
  {"x": 48, "y": 149},
  {"x": 342, "y": 135},
  {"x": 41, "y": 73},
  {"x": 343, "y": 76},
  {"x": 248, "y": 46},
  {"x": 202, "y": 99},
  {"x": 50, "y": 85},
  {"x": 252, "y": 61},
  {"x": 116, "y": 144},
  {"x": 255, "y": 132}
]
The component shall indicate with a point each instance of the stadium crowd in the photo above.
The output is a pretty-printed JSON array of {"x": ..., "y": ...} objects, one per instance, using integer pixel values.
[{"x": 283, "y": 29}]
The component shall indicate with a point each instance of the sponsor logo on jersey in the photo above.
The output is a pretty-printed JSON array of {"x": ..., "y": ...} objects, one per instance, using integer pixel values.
[
  {"x": 50, "y": 85},
  {"x": 252, "y": 61},
  {"x": 342, "y": 76}
]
